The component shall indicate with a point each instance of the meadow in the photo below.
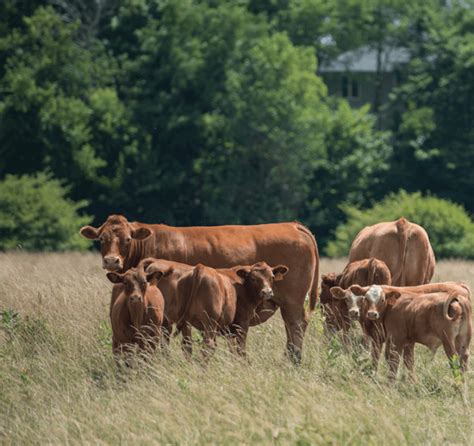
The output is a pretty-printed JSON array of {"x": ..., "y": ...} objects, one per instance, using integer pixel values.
[{"x": 59, "y": 383}]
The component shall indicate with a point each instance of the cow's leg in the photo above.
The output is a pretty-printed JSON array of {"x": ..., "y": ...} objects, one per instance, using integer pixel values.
[
  {"x": 241, "y": 339},
  {"x": 392, "y": 353},
  {"x": 295, "y": 322},
  {"x": 462, "y": 347},
  {"x": 409, "y": 359},
  {"x": 166, "y": 329},
  {"x": 186, "y": 341},
  {"x": 209, "y": 344},
  {"x": 449, "y": 349},
  {"x": 376, "y": 349}
]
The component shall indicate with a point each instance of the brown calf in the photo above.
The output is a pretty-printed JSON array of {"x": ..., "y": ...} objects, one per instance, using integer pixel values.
[
  {"x": 432, "y": 315},
  {"x": 339, "y": 313},
  {"x": 213, "y": 300},
  {"x": 137, "y": 310}
]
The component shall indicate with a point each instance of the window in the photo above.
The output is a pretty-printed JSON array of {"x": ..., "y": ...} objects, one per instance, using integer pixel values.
[
  {"x": 354, "y": 89},
  {"x": 345, "y": 87},
  {"x": 349, "y": 88}
]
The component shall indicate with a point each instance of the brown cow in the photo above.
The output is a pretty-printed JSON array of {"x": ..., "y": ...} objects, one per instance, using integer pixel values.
[
  {"x": 214, "y": 300},
  {"x": 339, "y": 313},
  {"x": 374, "y": 306},
  {"x": 124, "y": 244},
  {"x": 136, "y": 312},
  {"x": 431, "y": 319},
  {"x": 405, "y": 248}
]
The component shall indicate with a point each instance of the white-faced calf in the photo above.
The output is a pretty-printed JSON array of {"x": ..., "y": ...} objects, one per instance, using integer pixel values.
[{"x": 432, "y": 318}]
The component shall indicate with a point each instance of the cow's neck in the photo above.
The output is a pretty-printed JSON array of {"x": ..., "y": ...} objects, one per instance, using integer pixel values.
[{"x": 139, "y": 249}]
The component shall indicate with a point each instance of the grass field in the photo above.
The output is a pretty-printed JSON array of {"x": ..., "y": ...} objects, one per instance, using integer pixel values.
[{"x": 59, "y": 383}]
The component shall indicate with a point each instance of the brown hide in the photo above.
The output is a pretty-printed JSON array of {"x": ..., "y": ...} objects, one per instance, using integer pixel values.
[
  {"x": 137, "y": 311},
  {"x": 213, "y": 300},
  {"x": 124, "y": 244},
  {"x": 362, "y": 272},
  {"x": 432, "y": 314},
  {"x": 404, "y": 247}
]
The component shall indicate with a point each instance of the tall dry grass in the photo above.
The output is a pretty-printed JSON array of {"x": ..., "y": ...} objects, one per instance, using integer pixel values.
[{"x": 59, "y": 383}]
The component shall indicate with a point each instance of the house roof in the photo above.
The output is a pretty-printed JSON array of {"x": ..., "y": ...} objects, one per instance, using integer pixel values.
[{"x": 364, "y": 59}]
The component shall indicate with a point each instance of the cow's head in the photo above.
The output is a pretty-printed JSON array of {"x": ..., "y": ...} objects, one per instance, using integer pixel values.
[
  {"x": 375, "y": 299},
  {"x": 353, "y": 301},
  {"x": 327, "y": 282},
  {"x": 115, "y": 237},
  {"x": 135, "y": 287},
  {"x": 259, "y": 278}
]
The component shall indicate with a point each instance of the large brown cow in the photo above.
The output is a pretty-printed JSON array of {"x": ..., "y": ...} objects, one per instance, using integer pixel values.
[
  {"x": 431, "y": 319},
  {"x": 214, "y": 301},
  {"x": 339, "y": 313},
  {"x": 405, "y": 248},
  {"x": 373, "y": 307},
  {"x": 124, "y": 244}
]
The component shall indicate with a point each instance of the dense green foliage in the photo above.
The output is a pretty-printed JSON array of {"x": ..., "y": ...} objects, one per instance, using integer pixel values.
[
  {"x": 36, "y": 215},
  {"x": 450, "y": 229},
  {"x": 205, "y": 112}
]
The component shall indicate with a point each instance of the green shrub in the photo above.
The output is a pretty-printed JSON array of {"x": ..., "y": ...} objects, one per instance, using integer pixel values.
[
  {"x": 35, "y": 214},
  {"x": 449, "y": 227}
]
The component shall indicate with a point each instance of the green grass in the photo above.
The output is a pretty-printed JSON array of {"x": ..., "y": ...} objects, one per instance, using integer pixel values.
[{"x": 59, "y": 383}]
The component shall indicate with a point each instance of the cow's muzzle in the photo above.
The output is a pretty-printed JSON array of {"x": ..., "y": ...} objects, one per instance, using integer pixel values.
[
  {"x": 354, "y": 314},
  {"x": 112, "y": 263},
  {"x": 267, "y": 294},
  {"x": 136, "y": 299},
  {"x": 373, "y": 315}
]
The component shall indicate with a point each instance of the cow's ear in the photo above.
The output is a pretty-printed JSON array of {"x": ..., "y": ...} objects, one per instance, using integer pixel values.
[
  {"x": 337, "y": 292},
  {"x": 279, "y": 272},
  {"x": 391, "y": 297},
  {"x": 329, "y": 279},
  {"x": 147, "y": 262},
  {"x": 358, "y": 290},
  {"x": 243, "y": 271},
  {"x": 155, "y": 275},
  {"x": 89, "y": 232},
  {"x": 141, "y": 233},
  {"x": 115, "y": 277}
]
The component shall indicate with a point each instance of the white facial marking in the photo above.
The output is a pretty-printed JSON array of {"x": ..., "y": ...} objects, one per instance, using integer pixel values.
[
  {"x": 354, "y": 300},
  {"x": 374, "y": 294}
]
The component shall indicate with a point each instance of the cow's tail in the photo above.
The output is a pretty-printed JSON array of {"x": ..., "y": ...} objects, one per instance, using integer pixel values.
[
  {"x": 402, "y": 228},
  {"x": 454, "y": 307},
  {"x": 313, "y": 291},
  {"x": 466, "y": 287},
  {"x": 372, "y": 267},
  {"x": 198, "y": 274}
]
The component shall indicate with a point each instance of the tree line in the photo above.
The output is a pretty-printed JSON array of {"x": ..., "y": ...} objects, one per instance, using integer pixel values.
[{"x": 209, "y": 112}]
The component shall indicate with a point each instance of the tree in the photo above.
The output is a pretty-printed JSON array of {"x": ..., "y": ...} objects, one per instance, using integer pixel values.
[
  {"x": 448, "y": 225},
  {"x": 351, "y": 171},
  {"x": 265, "y": 134},
  {"x": 35, "y": 214},
  {"x": 435, "y": 136},
  {"x": 59, "y": 109}
]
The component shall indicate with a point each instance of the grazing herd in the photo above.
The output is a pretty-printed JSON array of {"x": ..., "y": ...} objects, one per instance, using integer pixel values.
[{"x": 222, "y": 280}]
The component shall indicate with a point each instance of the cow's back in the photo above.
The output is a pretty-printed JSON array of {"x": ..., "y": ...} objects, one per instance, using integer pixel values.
[
  {"x": 207, "y": 297},
  {"x": 290, "y": 244},
  {"x": 365, "y": 272},
  {"x": 402, "y": 245}
]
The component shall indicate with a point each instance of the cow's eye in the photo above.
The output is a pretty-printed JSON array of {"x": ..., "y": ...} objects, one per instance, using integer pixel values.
[{"x": 128, "y": 239}]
